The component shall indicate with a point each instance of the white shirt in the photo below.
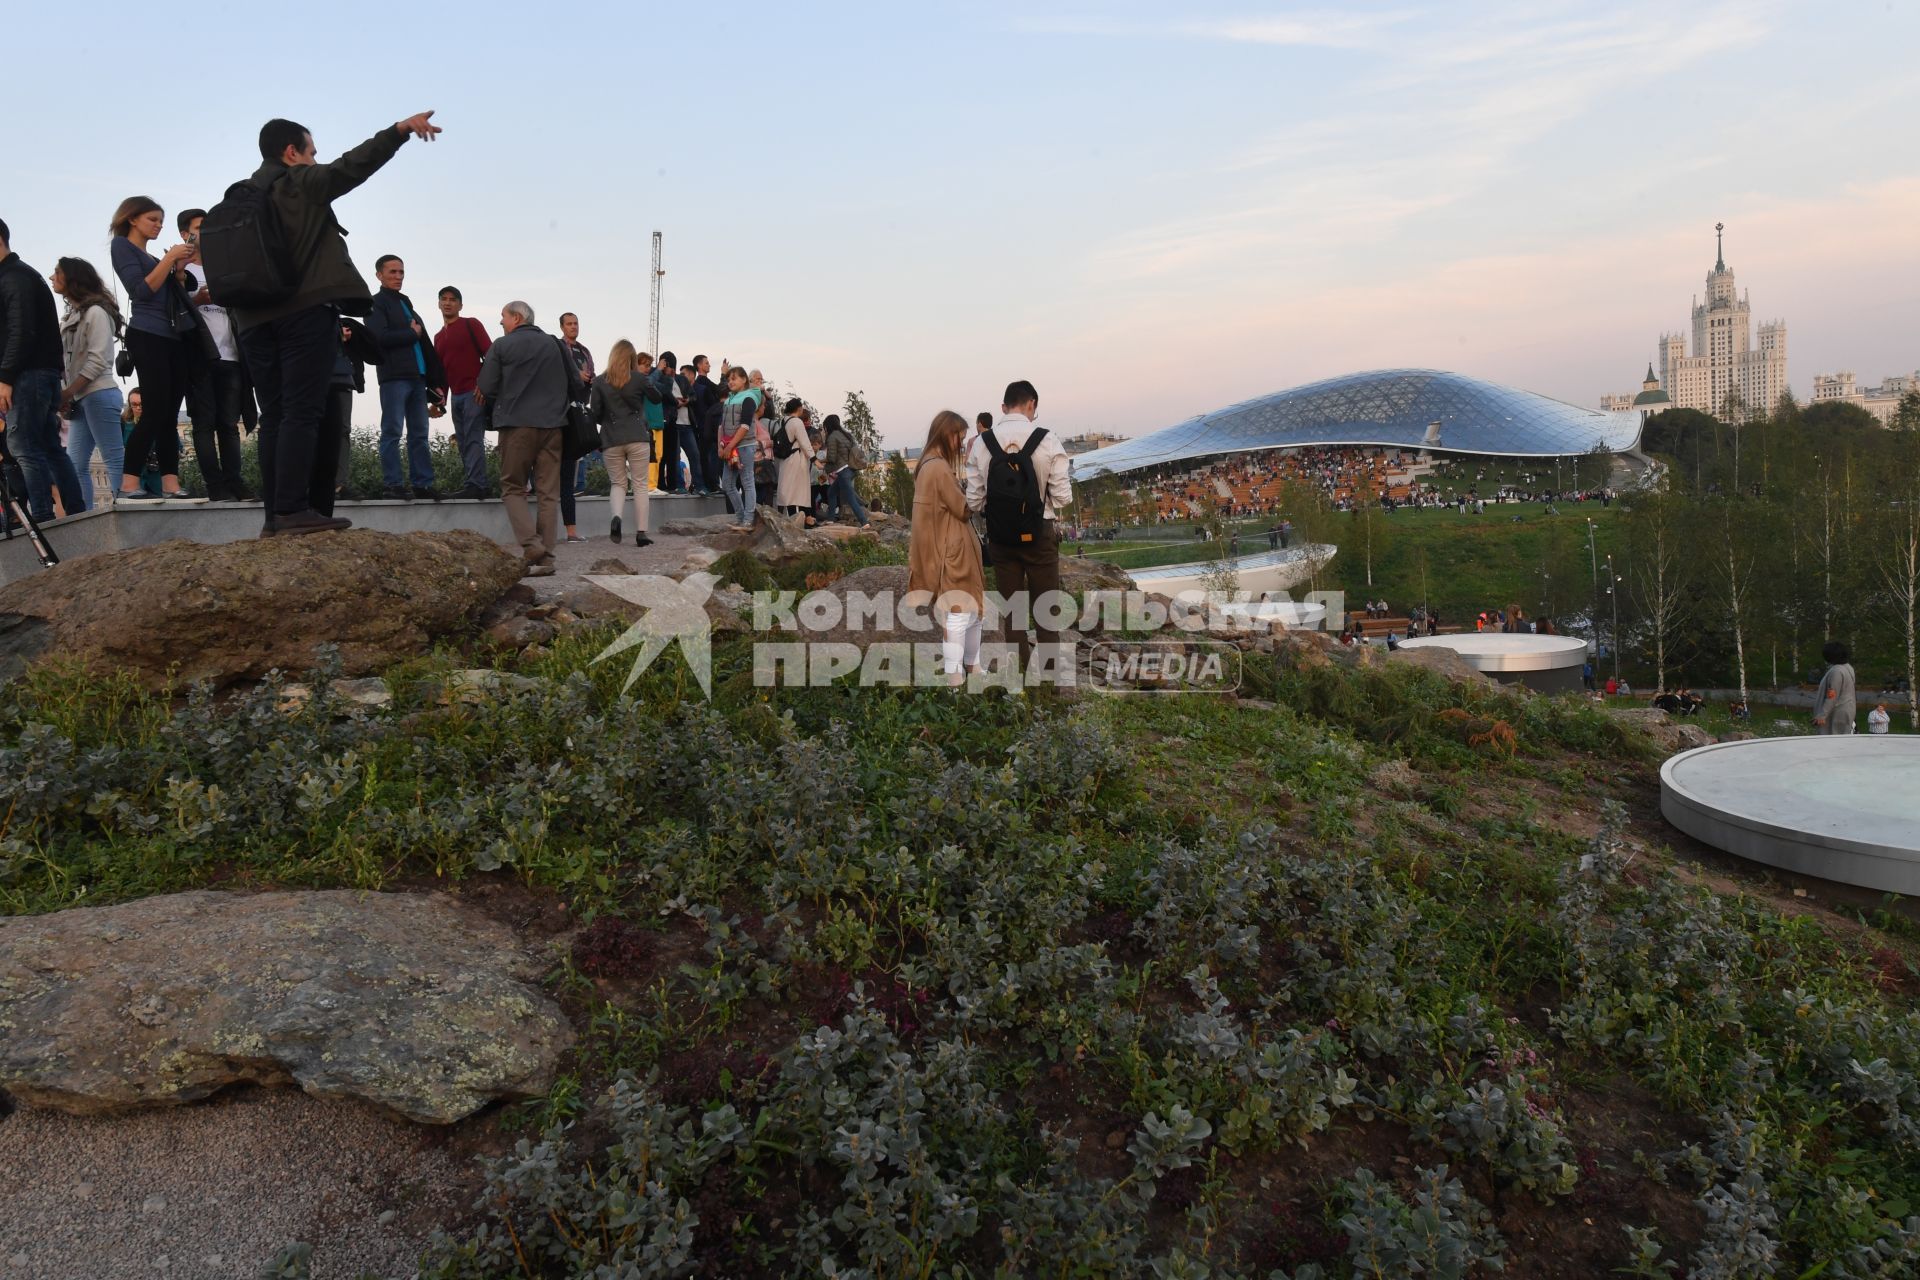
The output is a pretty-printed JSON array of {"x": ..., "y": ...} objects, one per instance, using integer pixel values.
[
  {"x": 1050, "y": 462},
  {"x": 218, "y": 324}
]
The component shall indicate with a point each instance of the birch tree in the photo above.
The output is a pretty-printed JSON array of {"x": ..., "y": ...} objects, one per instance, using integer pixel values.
[
  {"x": 1900, "y": 557},
  {"x": 1735, "y": 564},
  {"x": 1660, "y": 574}
]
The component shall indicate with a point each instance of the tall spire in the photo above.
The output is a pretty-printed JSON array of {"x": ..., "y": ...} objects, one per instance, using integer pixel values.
[{"x": 1719, "y": 253}]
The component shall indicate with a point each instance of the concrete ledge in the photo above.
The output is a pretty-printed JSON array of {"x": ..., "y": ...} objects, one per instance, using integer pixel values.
[
  {"x": 1842, "y": 808},
  {"x": 142, "y": 524}
]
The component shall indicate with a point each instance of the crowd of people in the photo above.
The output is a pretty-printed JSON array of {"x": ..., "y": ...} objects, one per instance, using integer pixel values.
[
  {"x": 290, "y": 340},
  {"x": 1249, "y": 485}
]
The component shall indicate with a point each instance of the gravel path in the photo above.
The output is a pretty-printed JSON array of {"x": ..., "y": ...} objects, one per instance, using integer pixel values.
[
  {"x": 209, "y": 1192},
  {"x": 574, "y": 560}
]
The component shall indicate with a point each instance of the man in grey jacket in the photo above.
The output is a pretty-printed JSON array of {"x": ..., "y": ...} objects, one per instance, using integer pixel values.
[
  {"x": 526, "y": 381},
  {"x": 290, "y": 346}
]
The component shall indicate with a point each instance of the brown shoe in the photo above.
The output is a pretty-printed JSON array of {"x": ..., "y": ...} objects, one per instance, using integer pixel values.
[{"x": 308, "y": 521}]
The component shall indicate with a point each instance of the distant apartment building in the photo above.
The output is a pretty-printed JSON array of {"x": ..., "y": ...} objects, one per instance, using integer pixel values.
[
  {"x": 1882, "y": 401},
  {"x": 1089, "y": 441},
  {"x": 1727, "y": 365}
]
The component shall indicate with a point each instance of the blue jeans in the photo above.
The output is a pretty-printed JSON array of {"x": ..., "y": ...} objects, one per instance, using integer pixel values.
[
  {"x": 843, "y": 488},
  {"x": 33, "y": 437},
  {"x": 404, "y": 401},
  {"x": 95, "y": 424},
  {"x": 690, "y": 453},
  {"x": 736, "y": 481},
  {"x": 580, "y": 471},
  {"x": 470, "y": 434}
]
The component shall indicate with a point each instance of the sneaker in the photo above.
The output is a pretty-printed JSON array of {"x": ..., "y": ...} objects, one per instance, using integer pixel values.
[
  {"x": 179, "y": 495},
  {"x": 471, "y": 492},
  {"x": 309, "y": 521},
  {"x": 641, "y": 539},
  {"x": 425, "y": 494},
  {"x": 138, "y": 495},
  {"x": 579, "y": 493},
  {"x": 397, "y": 492},
  {"x": 573, "y": 537},
  {"x": 615, "y": 535},
  {"x": 537, "y": 571}
]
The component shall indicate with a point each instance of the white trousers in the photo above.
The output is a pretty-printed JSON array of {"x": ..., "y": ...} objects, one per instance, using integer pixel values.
[{"x": 960, "y": 646}]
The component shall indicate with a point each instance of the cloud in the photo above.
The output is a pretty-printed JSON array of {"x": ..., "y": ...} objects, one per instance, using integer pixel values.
[
  {"x": 1438, "y": 117},
  {"x": 1328, "y": 29}
]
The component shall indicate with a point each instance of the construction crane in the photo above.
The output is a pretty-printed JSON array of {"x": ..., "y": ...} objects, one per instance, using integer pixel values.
[{"x": 653, "y": 322}]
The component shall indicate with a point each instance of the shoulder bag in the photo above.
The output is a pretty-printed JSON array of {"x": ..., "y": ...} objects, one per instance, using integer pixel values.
[
  {"x": 582, "y": 436},
  {"x": 189, "y": 325}
]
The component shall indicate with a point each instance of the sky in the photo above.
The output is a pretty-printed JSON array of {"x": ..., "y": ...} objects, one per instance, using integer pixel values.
[{"x": 1148, "y": 210}]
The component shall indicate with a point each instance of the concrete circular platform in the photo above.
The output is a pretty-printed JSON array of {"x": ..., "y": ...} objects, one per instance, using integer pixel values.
[
  {"x": 1841, "y": 808},
  {"x": 1550, "y": 664}
]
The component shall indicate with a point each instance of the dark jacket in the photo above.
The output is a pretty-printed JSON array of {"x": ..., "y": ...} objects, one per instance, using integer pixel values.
[
  {"x": 403, "y": 353},
  {"x": 705, "y": 402},
  {"x": 359, "y": 351},
  {"x": 622, "y": 411},
  {"x": 527, "y": 378},
  {"x": 303, "y": 196},
  {"x": 29, "y": 329}
]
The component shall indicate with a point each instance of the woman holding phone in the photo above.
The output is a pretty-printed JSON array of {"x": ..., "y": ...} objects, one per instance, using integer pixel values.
[{"x": 156, "y": 289}]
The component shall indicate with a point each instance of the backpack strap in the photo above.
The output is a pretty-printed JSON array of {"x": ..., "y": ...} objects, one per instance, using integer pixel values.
[
  {"x": 993, "y": 445},
  {"x": 1033, "y": 441}
]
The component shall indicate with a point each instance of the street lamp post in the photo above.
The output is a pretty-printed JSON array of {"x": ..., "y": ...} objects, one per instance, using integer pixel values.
[
  {"x": 1613, "y": 593},
  {"x": 1593, "y": 564}
]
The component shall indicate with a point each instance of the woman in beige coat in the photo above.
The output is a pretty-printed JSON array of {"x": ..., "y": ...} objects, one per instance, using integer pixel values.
[
  {"x": 943, "y": 558},
  {"x": 796, "y": 472}
]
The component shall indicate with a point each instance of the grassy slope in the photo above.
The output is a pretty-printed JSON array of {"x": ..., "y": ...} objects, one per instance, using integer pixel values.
[{"x": 1236, "y": 951}]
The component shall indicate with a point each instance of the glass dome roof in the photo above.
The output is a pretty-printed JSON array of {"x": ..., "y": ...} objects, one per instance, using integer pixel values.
[{"x": 1409, "y": 408}]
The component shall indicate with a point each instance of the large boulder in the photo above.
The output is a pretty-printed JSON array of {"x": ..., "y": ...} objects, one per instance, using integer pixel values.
[
  {"x": 409, "y": 1001},
  {"x": 1670, "y": 735},
  {"x": 235, "y": 611},
  {"x": 1087, "y": 573},
  {"x": 1443, "y": 661}
]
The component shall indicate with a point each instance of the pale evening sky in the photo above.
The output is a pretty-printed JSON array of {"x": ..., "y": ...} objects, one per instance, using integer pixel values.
[{"x": 1148, "y": 210}]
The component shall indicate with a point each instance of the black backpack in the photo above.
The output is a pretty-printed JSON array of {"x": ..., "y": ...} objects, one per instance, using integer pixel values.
[
  {"x": 783, "y": 445},
  {"x": 1015, "y": 514},
  {"x": 244, "y": 247}
]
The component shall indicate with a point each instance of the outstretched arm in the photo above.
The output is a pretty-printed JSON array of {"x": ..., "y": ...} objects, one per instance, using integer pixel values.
[{"x": 354, "y": 167}]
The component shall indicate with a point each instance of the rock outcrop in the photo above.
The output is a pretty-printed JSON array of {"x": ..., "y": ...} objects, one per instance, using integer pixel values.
[
  {"x": 1667, "y": 733},
  {"x": 1446, "y": 663},
  {"x": 234, "y": 611},
  {"x": 409, "y": 1001}
]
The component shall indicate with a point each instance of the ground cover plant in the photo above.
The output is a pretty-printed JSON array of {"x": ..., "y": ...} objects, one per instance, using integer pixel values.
[{"x": 1365, "y": 974}]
